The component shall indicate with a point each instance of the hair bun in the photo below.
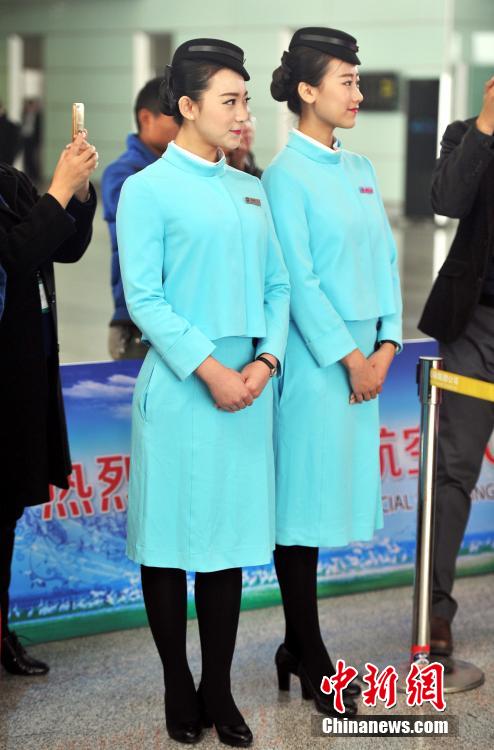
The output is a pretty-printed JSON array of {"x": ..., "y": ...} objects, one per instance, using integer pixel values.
[
  {"x": 286, "y": 64},
  {"x": 168, "y": 100},
  {"x": 282, "y": 79}
]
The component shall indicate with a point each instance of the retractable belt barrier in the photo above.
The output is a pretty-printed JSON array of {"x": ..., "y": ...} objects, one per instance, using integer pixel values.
[
  {"x": 451, "y": 381},
  {"x": 431, "y": 380}
]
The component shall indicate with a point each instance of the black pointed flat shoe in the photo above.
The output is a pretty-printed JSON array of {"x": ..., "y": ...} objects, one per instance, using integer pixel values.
[
  {"x": 234, "y": 735},
  {"x": 187, "y": 731}
]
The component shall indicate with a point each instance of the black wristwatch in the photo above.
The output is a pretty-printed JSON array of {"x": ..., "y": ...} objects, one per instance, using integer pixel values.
[
  {"x": 273, "y": 369},
  {"x": 387, "y": 341}
]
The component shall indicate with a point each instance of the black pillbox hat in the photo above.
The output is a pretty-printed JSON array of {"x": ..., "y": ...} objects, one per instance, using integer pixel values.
[
  {"x": 331, "y": 41},
  {"x": 215, "y": 51}
]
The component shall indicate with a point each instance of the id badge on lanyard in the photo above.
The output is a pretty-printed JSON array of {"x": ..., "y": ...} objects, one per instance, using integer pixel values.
[{"x": 45, "y": 307}]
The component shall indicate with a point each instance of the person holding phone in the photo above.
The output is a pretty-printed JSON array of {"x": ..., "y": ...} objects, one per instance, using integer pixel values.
[
  {"x": 345, "y": 328},
  {"x": 35, "y": 232},
  {"x": 205, "y": 282}
]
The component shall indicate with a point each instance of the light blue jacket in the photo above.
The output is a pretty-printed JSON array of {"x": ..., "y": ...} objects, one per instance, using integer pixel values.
[
  {"x": 337, "y": 244},
  {"x": 200, "y": 259}
]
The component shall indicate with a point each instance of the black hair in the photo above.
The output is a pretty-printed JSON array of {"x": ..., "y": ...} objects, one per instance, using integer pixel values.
[
  {"x": 301, "y": 64},
  {"x": 186, "y": 78},
  {"x": 148, "y": 98}
]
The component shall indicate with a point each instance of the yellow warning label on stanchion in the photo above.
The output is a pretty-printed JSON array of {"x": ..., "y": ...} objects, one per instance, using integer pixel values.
[{"x": 450, "y": 381}]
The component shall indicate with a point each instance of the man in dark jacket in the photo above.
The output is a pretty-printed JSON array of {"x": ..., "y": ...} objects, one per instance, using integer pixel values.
[
  {"x": 460, "y": 314},
  {"x": 35, "y": 232},
  {"x": 154, "y": 133}
]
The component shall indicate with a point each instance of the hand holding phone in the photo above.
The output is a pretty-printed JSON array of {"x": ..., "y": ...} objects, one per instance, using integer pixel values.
[
  {"x": 77, "y": 119},
  {"x": 71, "y": 177}
]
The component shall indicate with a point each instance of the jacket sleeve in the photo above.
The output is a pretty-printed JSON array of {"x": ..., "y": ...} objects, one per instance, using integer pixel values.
[
  {"x": 276, "y": 296},
  {"x": 390, "y": 326},
  {"x": 32, "y": 241},
  {"x": 322, "y": 328},
  {"x": 141, "y": 241},
  {"x": 82, "y": 215},
  {"x": 464, "y": 157}
]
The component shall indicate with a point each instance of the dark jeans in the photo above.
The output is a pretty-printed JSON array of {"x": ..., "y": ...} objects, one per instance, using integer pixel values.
[{"x": 465, "y": 426}]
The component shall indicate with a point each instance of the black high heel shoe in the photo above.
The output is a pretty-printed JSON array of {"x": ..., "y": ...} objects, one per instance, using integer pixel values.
[
  {"x": 189, "y": 732},
  {"x": 235, "y": 735},
  {"x": 287, "y": 664},
  {"x": 324, "y": 703}
]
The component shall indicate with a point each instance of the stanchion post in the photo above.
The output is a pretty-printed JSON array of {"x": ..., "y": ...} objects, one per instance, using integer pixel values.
[
  {"x": 430, "y": 398},
  {"x": 458, "y": 675}
]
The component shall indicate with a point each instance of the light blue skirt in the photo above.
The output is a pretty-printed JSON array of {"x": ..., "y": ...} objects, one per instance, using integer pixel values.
[
  {"x": 201, "y": 492},
  {"x": 328, "y": 486}
]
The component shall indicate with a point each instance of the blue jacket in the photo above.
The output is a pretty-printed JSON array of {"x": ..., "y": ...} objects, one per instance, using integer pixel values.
[
  {"x": 131, "y": 161},
  {"x": 200, "y": 259},
  {"x": 337, "y": 244}
]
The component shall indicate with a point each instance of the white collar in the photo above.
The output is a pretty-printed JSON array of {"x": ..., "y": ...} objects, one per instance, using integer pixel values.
[
  {"x": 314, "y": 142},
  {"x": 196, "y": 157}
]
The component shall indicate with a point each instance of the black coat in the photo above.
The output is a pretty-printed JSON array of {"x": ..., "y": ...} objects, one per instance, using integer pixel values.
[
  {"x": 462, "y": 188},
  {"x": 34, "y": 232}
]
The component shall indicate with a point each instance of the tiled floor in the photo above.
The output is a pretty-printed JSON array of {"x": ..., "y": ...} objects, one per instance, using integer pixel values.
[{"x": 105, "y": 692}]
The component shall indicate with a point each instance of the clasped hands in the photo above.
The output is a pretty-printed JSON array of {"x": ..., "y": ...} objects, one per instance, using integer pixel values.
[
  {"x": 367, "y": 375},
  {"x": 232, "y": 390}
]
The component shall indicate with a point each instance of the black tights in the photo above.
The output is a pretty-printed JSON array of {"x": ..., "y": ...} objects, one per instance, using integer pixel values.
[
  {"x": 296, "y": 568},
  {"x": 217, "y": 598}
]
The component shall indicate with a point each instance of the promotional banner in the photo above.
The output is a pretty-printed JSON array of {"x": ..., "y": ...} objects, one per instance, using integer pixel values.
[{"x": 71, "y": 575}]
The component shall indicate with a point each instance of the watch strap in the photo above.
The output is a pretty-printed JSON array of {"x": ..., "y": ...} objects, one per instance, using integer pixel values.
[{"x": 266, "y": 361}]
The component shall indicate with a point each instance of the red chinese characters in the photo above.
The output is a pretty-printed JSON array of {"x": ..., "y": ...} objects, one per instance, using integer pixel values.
[
  {"x": 382, "y": 686},
  {"x": 388, "y": 454},
  {"x": 426, "y": 684},
  {"x": 337, "y": 683},
  {"x": 399, "y": 452},
  {"x": 114, "y": 470},
  {"x": 80, "y": 499},
  {"x": 412, "y": 448},
  {"x": 423, "y": 684}
]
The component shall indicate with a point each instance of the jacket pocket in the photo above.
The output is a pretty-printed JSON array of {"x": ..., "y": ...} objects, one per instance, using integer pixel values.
[
  {"x": 144, "y": 394},
  {"x": 453, "y": 267}
]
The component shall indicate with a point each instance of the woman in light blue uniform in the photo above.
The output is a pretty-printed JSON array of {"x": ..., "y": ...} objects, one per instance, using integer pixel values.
[
  {"x": 344, "y": 331},
  {"x": 205, "y": 282}
]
